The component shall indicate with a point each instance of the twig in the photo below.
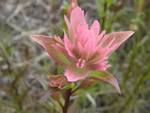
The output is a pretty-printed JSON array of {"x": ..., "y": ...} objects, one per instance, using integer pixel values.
[
  {"x": 19, "y": 8},
  {"x": 35, "y": 60},
  {"x": 23, "y": 34}
]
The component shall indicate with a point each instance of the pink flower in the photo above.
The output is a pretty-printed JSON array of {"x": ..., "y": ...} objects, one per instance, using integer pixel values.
[{"x": 84, "y": 51}]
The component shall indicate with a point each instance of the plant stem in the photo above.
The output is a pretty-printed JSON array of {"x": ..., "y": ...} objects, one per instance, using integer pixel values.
[
  {"x": 104, "y": 18},
  {"x": 67, "y": 100}
]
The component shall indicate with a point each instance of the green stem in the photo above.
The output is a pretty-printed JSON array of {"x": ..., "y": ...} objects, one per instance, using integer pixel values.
[{"x": 104, "y": 18}]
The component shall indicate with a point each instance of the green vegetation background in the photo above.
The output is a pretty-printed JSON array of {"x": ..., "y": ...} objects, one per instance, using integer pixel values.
[{"x": 24, "y": 64}]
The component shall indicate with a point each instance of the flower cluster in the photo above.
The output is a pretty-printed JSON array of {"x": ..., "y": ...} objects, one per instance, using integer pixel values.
[{"x": 83, "y": 52}]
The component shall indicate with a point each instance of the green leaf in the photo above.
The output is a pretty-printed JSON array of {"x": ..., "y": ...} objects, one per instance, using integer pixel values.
[
  {"x": 69, "y": 86},
  {"x": 109, "y": 3},
  {"x": 66, "y": 5},
  {"x": 106, "y": 77},
  {"x": 79, "y": 91}
]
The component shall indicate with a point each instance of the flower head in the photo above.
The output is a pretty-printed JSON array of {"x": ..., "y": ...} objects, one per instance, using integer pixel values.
[{"x": 84, "y": 49}]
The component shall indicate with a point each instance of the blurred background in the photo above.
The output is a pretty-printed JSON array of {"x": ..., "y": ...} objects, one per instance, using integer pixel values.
[{"x": 25, "y": 64}]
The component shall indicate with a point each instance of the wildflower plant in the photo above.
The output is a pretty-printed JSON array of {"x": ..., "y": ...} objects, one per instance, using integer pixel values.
[{"x": 83, "y": 53}]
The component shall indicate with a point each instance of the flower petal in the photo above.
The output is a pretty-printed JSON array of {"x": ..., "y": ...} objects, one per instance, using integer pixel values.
[
  {"x": 101, "y": 66},
  {"x": 67, "y": 22},
  {"x": 96, "y": 27},
  {"x": 77, "y": 17},
  {"x": 73, "y": 73},
  {"x": 59, "y": 81},
  {"x": 57, "y": 53},
  {"x": 106, "y": 77},
  {"x": 120, "y": 37},
  {"x": 69, "y": 47}
]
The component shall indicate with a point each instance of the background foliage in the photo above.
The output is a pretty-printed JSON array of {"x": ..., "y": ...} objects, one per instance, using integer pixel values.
[{"x": 24, "y": 64}]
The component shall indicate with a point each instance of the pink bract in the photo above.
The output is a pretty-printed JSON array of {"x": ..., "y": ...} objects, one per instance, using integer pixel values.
[
  {"x": 59, "y": 81},
  {"x": 83, "y": 49}
]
